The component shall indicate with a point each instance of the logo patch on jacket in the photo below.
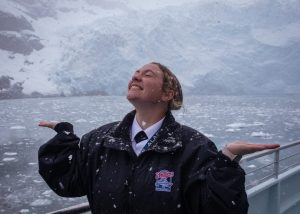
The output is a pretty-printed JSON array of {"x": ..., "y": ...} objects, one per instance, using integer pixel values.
[{"x": 163, "y": 181}]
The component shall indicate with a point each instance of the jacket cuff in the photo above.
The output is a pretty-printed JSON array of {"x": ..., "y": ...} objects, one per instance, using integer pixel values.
[
  {"x": 224, "y": 161},
  {"x": 64, "y": 127}
]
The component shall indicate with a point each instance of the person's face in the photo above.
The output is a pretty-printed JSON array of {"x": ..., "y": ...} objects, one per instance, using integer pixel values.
[{"x": 146, "y": 86}]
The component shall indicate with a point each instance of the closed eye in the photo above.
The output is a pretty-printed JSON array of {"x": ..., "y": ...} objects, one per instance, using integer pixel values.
[{"x": 149, "y": 73}]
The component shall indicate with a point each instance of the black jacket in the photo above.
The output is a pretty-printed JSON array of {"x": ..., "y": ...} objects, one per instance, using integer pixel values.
[{"x": 180, "y": 172}]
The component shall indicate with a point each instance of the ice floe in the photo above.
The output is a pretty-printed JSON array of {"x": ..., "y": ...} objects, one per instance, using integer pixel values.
[
  {"x": 251, "y": 166},
  {"x": 10, "y": 153},
  {"x": 41, "y": 202},
  {"x": 81, "y": 121},
  {"x": 244, "y": 125},
  {"x": 17, "y": 127},
  {"x": 9, "y": 159},
  {"x": 261, "y": 134}
]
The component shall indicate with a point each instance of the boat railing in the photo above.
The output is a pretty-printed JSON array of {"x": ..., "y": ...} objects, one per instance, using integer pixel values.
[
  {"x": 264, "y": 167},
  {"x": 254, "y": 164}
]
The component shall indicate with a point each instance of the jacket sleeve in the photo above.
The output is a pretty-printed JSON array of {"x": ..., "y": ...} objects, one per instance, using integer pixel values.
[
  {"x": 62, "y": 162},
  {"x": 216, "y": 184}
]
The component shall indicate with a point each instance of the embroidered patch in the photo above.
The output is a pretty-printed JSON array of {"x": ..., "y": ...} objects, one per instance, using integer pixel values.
[{"x": 163, "y": 181}]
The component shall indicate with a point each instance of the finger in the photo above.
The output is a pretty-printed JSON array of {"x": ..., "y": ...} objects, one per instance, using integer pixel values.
[
  {"x": 273, "y": 146},
  {"x": 266, "y": 146},
  {"x": 48, "y": 124},
  {"x": 260, "y": 147},
  {"x": 43, "y": 123}
]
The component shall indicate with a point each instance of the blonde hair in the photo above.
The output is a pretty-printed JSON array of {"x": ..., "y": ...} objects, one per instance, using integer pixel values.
[{"x": 170, "y": 82}]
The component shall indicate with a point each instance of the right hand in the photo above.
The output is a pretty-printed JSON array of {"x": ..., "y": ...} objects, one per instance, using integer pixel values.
[{"x": 48, "y": 124}]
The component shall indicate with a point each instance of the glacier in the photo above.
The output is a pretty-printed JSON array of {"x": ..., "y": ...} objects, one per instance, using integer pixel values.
[{"x": 92, "y": 47}]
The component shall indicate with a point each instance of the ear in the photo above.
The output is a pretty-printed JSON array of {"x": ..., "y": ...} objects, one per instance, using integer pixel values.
[{"x": 167, "y": 96}]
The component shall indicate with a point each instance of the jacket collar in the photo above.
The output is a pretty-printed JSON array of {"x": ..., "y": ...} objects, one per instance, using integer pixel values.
[{"x": 167, "y": 139}]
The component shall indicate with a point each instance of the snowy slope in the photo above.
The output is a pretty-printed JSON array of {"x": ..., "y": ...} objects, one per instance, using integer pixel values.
[{"x": 82, "y": 47}]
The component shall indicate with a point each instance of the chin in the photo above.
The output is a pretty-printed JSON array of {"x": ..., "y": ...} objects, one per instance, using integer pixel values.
[{"x": 131, "y": 97}]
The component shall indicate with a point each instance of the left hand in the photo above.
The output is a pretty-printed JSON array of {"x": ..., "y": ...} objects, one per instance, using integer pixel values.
[{"x": 244, "y": 148}]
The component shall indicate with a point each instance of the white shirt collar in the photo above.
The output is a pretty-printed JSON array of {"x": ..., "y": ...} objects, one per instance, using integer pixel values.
[{"x": 150, "y": 131}]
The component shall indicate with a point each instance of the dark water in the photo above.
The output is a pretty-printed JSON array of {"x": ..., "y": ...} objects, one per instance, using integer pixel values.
[{"x": 223, "y": 119}]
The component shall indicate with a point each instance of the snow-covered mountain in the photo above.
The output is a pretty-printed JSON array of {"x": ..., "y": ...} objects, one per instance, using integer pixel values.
[{"x": 93, "y": 46}]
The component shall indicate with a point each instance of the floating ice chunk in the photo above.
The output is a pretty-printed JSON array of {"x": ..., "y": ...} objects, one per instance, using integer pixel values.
[
  {"x": 9, "y": 159},
  {"x": 41, "y": 202},
  {"x": 258, "y": 124},
  {"x": 244, "y": 125},
  {"x": 10, "y": 153},
  {"x": 208, "y": 135},
  {"x": 32, "y": 163},
  {"x": 261, "y": 134},
  {"x": 237, "y": 125},
  {"x": 81, "y": 121},
  {"x": 232, "y": 130},
  {"x": 24, "y": 211},
  {"x": 17, "y": 127},
  {"x": 47, "y": 193}
]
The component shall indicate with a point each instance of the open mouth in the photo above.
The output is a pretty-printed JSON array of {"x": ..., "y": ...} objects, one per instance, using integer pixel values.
[{"x": 133, "y": 86}]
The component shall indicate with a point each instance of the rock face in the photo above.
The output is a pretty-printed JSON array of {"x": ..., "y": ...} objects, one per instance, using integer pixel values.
[
  {"x": 17, "y": 35},
  {"x": 8, "y": 90},
  {"x": 92, "y": 47}
]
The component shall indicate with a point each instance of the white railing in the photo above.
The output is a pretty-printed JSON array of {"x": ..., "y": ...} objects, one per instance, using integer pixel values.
[
  {"x": 277, "y": 163},
  {"x": 272, "y": 182}
]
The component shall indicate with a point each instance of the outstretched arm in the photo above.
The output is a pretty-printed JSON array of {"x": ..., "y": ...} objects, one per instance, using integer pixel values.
[
  {"x": 218, "y": 185},
  {"x": 60, "y": 160},
  {"x": 243, "y": 148}
]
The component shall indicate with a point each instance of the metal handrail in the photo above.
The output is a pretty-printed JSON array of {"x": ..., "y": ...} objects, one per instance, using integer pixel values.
[
  {"x": 267, "y": 152},
  {"x": 262, "y": 167},
  {"x": 84, "y": 207},
  {"x": 276, "y": 170},
  {"x": 79, "y": 208}
]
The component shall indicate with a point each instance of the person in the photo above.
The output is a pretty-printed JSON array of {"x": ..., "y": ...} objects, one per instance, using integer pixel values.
[{"x": 148, "y": 162}]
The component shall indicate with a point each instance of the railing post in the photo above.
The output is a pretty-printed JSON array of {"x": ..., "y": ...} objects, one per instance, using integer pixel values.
[{"x": 276, "y": 163}]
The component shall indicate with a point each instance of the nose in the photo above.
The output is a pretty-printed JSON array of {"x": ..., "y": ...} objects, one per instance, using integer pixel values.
[{"x": 137, "y": 77}]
